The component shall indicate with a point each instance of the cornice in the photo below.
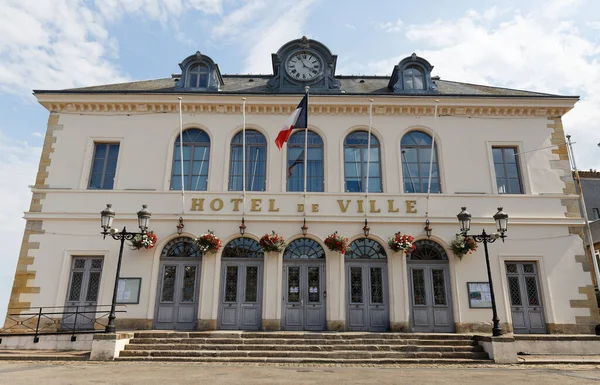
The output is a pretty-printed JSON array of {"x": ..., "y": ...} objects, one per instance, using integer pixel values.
[{"x": 134, "y": 108}]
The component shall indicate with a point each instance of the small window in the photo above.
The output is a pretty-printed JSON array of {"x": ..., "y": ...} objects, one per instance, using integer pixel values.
[
  {"x": 314, "y": 162},
  {"x": 104, "y": 166},
  {"x": 356, "y": 158},
  {"x": 595, "y": 213},
  {"x": 506, "y": 166},
  {"x": 256, "y": 162},
  {"x": 196, "y": 151},
  {"x": 414, "y": 78},
  {"x": 198, "y": 76}
]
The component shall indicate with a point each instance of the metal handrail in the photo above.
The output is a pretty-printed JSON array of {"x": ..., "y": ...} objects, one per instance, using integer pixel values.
[{"x": 88, "y": 321}]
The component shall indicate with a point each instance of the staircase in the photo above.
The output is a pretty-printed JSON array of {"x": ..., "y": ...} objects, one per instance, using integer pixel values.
[{"x": 304, "y": 347}]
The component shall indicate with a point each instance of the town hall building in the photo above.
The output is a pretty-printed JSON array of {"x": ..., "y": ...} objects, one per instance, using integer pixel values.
[{"x": 384, "y": 155}]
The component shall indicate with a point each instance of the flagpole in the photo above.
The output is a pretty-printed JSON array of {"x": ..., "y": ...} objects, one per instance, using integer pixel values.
[
  {"x": 306, "y": 88},
  {"x": 243, "y": 158},
  {"x": 431, "y": 157},
  {"x": 368, "y": 155},
  {"x": 181, "y": 155}
]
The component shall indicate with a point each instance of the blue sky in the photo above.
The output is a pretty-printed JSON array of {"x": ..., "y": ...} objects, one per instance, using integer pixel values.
[{"x": 542, "y": 45}]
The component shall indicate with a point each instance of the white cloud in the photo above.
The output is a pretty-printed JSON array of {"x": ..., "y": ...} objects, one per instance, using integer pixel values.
[
  {"x": 539, "y": 51},
  {"x": 593, "y": 24},
  {"x": 18, "y": 164},
  {"x": 391, "y": 27}
]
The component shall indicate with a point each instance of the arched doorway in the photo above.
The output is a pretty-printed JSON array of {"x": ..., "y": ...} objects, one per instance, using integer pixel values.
[
  {"x": 367, "y": 287},
  {"x": 242, "y": 263},
  {"x": 304, "y": 286},
  {"x": 178, "y": 283},
  {"x": 429, "y": 283}
]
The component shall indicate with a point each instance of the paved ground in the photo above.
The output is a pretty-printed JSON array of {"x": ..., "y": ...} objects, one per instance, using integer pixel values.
[{"x": 182, "y": 373}]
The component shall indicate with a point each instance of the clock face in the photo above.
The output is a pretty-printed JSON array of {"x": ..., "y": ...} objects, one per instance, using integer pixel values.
[{"x": 304, "y": 66}]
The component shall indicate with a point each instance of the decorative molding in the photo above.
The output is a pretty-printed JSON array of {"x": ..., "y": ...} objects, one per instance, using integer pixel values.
[{"x": 315, "y": 109}]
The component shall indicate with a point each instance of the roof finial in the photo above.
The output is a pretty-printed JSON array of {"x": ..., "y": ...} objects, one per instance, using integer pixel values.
[{"x": 304, "y": 42}]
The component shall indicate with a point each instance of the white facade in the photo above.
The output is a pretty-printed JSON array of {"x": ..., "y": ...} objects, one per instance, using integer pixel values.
[{"x": 146, "y": 126}]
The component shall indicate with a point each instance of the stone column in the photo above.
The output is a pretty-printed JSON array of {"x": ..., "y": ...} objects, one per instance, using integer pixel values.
[
  {"x": 272, "y": 291},
  {"x": 336, "y": 291},
  {"x": 398, "y": 289},
  {"x": 209, "y": 291}
]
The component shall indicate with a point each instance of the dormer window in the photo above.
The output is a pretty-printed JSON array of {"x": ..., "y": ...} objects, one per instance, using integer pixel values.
[
  {"x": 414, "y": 78},
  {"x": 198, "y": 76},
  {"x": 199, "y": 73}
]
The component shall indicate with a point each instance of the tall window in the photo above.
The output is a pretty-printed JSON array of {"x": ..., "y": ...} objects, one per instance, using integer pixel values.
[
  {"x": 198, "y": 76},
  {"x": 414, "y": 78},
  {"x": 314, "y": 162},
  {"x": 506, "y": 165},
  {"x": 256, "y": 162},
  {"x": 355, "y": 163},
  {"x": 104, "y": 166},
  {"x": 415, "y": 149},
  {"x": 196, "y": 151}
]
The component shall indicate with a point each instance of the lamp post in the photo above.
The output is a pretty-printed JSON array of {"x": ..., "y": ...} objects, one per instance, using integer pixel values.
[
  {"x": 501, "y": 218},
  {"x": 106, "y": 218}
]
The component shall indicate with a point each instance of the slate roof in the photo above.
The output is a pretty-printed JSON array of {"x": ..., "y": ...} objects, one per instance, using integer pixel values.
[{"x": 256, "y": 84}]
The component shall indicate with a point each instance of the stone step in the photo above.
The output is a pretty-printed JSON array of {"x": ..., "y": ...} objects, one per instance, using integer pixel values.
[
  {"x": 285, "y": 341},
  {"x": 303, "y": 354},
  {"x": 315, "y": 348},
  {"x": 313, "y": 360},
  {"x": 303, "y": 335}
]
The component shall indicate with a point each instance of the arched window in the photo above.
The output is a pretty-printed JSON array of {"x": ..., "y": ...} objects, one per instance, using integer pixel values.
[
  {"x": 303, "y": 248},
  {"x": 415, "y": 149},
  {"x": 198, "y": 76},
  {"x": 196, "y": 151},
  {"x": 182, "y": 247},
  {"x": 256, "y": 162},
  {"x": 242, "y": 248},
  {"x": 414, "y": 78},
  {"x": 428, "y": 251},
  {"x": 365, "y": 248},
  {"x": 355, "y": 163},
  {"x": 314, "y": 162}
]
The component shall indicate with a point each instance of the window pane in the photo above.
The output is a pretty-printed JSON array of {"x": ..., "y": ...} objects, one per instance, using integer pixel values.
[
  {"x": 203, "y": 81},
  {"x": 499, "y": 167},
  {"x": 502, "y": 186},
  {"x": 100, "y": 151},
  {"x": 418, "y": 82},
  {"x": 95, "y": 181},
  {"x": 353, "y": 186},
  {"x": 509, "y": 155},
  {"x": 193, "y": 82},
  {"x": 113, "y": 151},
  {"x": 497, "y": 154},
  {"x": 512, "y": 170},
  {"x": 515, "y": 186}
]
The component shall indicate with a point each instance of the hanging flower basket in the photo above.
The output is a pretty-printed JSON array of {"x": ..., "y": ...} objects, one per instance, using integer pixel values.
[
  {"x": 208, "y": 242},
  {"x": 336, "y": 242},
  {"x": 462, "y": 245},
  {"x": 402, "y": 242},
  {"x": 143, "y": 241},
  {"x": 272, "y": 242}
]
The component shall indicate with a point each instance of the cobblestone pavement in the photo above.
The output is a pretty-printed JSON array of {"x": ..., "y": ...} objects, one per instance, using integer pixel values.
[{"x": 22, "y": 372}]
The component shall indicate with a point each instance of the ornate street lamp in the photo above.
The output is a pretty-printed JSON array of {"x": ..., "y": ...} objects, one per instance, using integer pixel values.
[
  {"x": 366, "y": 228},
  {"x": 106, "y": 218},
  {"x": 304, "y": 228},
  {"x": 180, "y": 226},
  {"x": 501, "y": 218}
]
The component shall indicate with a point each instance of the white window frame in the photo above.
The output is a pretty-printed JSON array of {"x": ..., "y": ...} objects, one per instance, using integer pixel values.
[
  {"x": 523, "y": 172},
  {"x": 88, "y": 158}
]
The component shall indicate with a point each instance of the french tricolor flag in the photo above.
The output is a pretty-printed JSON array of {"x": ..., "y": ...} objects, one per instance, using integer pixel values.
[{"x": 298, "y": 119}]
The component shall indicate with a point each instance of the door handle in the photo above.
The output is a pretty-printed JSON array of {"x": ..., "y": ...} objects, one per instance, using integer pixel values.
[{"x": 301, "y": 302}]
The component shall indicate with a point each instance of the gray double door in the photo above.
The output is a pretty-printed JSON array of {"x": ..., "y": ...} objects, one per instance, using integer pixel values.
[
  {"x": 304, "y": 295},
  {"x": 178, "y": 292},
  {"x": 82, "y": 295},
  {"x": 241, "y": 294},
  {"x": 367, "y": 296},
  {"x": 525, "y": 299},
  {"x": 430, "y": 298}
]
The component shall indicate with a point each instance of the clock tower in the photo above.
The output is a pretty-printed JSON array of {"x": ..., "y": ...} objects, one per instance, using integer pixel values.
[{"x": 304, "y": 62}]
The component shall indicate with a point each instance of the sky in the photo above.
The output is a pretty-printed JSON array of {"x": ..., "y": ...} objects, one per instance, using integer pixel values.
[{"x": 549, "y": 46}]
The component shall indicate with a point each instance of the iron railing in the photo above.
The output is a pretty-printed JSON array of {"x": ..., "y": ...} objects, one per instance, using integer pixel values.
[{"x": 54, "y": 320}]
